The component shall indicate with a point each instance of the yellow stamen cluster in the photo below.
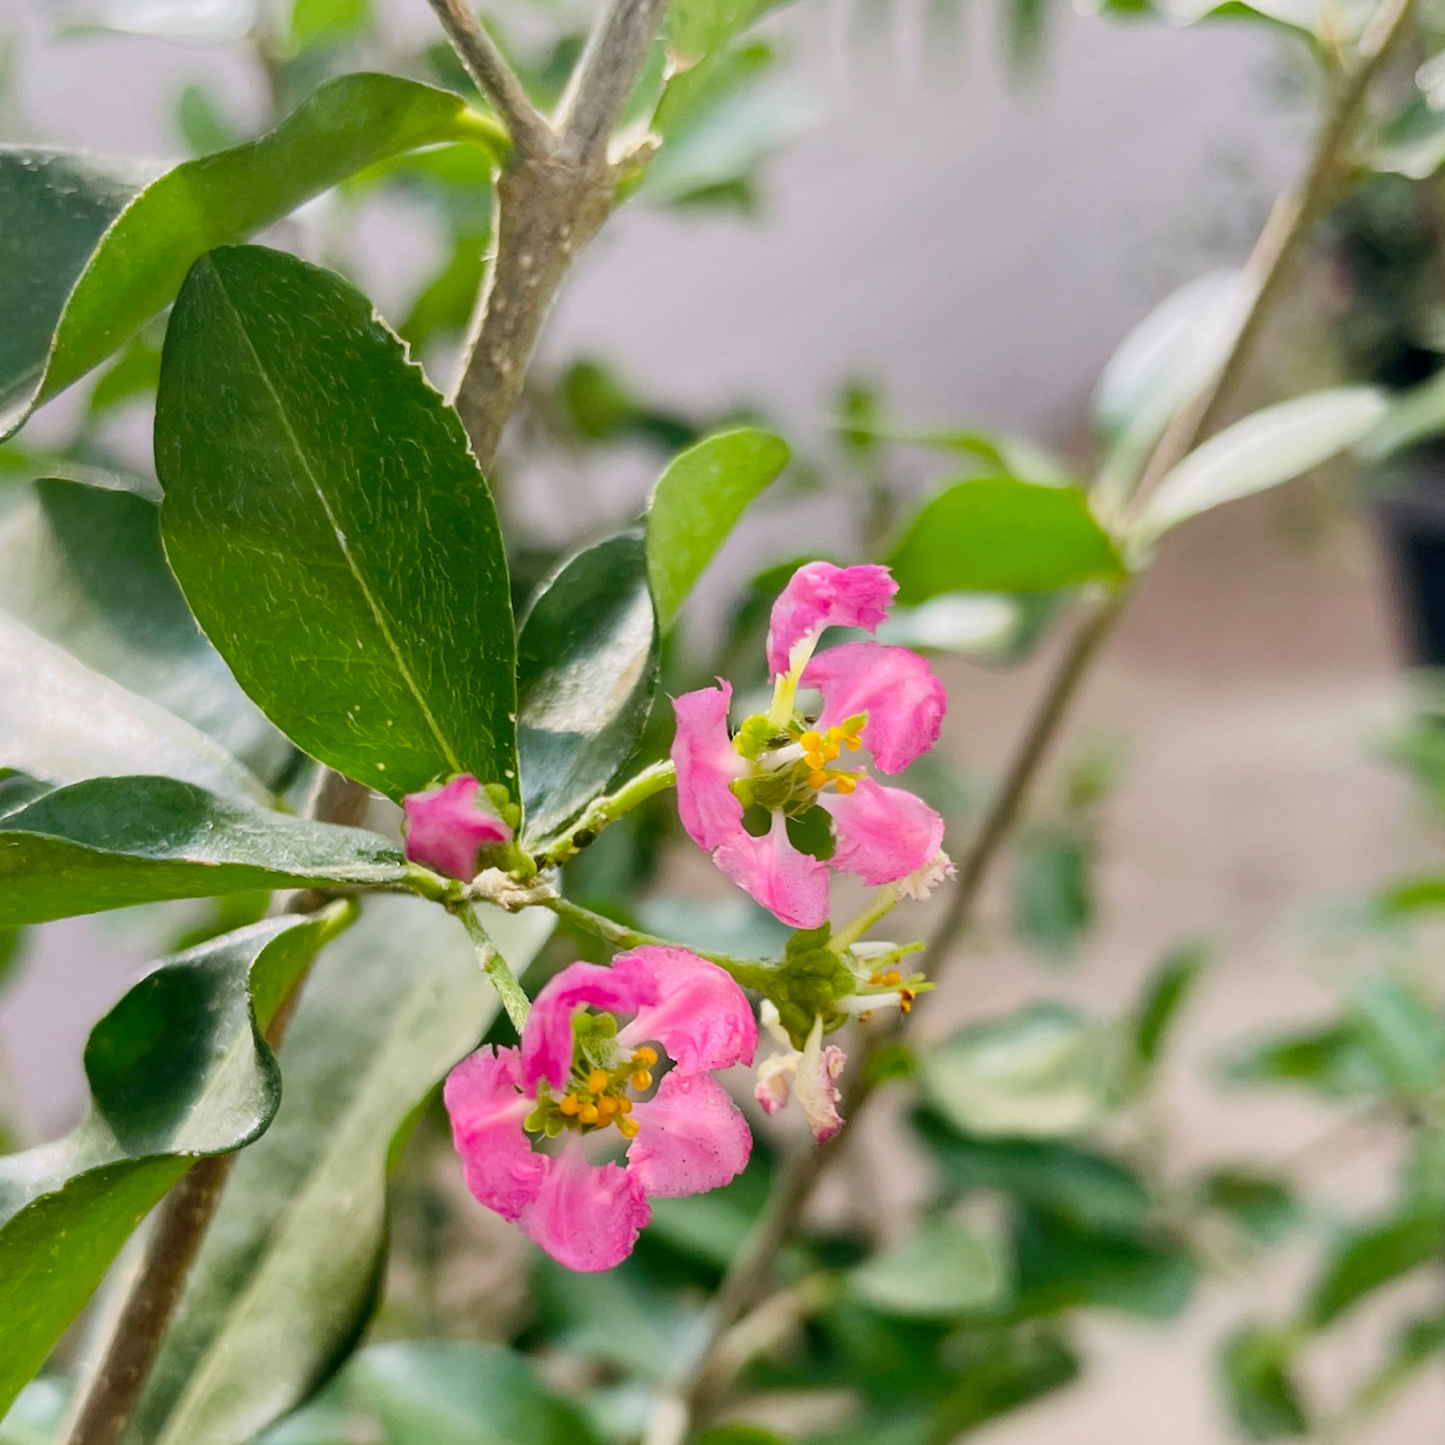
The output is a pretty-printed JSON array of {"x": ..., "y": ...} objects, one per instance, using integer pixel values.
[
  {"x": 596, "y": 1100},
  {"x": 891, "y": 979},
  {"x": 820, "y": 749}
]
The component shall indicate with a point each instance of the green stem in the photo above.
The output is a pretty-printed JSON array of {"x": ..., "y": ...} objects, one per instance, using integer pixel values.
[
  {"x": 514, "y": 998},
  {"x": 602, "y": 811},
  {"x": 885, "y": 903},
  {"x": 747, "y": 972}
]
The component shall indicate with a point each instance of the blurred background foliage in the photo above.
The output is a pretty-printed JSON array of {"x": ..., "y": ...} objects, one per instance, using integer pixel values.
[{"x": 1047, "y": 1188}]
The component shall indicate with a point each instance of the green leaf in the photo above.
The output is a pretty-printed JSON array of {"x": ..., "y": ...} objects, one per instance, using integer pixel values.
[
  {"x": 1263, "y": 1398},
  {"x": 695, "y": 28},
  {"x": 1084, "y": 1189},
  {"x": 586, "y": 669},
  {"x": 114, "y": 842},
  {"x": 1263, "y": 450},
  {"x": 351, "y": 572},
  {"x": 1416, "y": 1343},
  {"x": 82, "y": 567},
  {"x": 1164, "y": 994},
  {"x": 63, "y": 721},
  {"x": 1041, "y": 1072},
  {"x": 1411, "y": 416},
  {"x": 945, "y": 1270},
  {"x": 289, "y": 1270},
  {"x": 18, "y": 790},
  {"x": 96, "y": 251},
  {"x": 997, "y": 534},
  {"x": 1061, "y": 1267},
  {"x": 1159, "y": 367},
  {"x": 1335, "y": 1061},
  {"x": 56, "y": 207},
  {"x": 1367, "y": 1259},
  {"x": 1263, "y": 1208},
  {"x": 328, "y": 22},
  {"x": 1412, "y": 143},
  {"x": 697, "y": 501},
  {"x": 178, "y": 1069},
  {"x": 739, "y": 1435},
  {"x": 1053, "y": 891},
  {"x": 1403, "y": 1032},
  {"x": 453, "y": 1392}
]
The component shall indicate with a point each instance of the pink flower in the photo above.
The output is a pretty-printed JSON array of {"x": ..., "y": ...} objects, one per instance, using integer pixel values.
[
  {"x": 446, "y": 827},
  {"x": 573, "y": 1078},
  {"x": 885, "y": 699}
]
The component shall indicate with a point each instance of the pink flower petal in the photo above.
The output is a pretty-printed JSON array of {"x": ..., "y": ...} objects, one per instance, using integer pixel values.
[
  {"x": 820, "y": 595},
  {"x": 547, "y": 1038},
  {"x": 883, "y": 834},
  {"x": 486, "y": 1106},
  {"x": 446, "y": 826},
  {"x": 702, "y": 1018},
  {"x": 691, "y": 1137},
  {"x": 904, "y": 701},
  {"x": 791, "y": 884},
  {"x": 586, "y": 1216},
  {"x": 774, "y": 1086},
  {"x": 817, "y": 1093},
  {"x": 706, "y": 763}
]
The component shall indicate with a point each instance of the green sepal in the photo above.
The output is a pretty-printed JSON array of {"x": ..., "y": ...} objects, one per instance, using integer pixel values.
[{"x": 809, "y": 981}]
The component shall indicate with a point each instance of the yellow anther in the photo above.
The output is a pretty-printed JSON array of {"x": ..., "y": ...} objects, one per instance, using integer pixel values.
[
  {"x": 596, "y": 1081},
  {"x": 641, "y": 1080},
  {"x": 905, "y": 999},
  {"x": 875, "y": 980},
  {"x": 811, "y": 741},
  {"x": 624, "y": 1105},
  {"x": 852, "y": 743},
  {"x": 844, "y": 783},
  {"x": 814, "y": 760},
  {"x": 892, "y": 977},
  {"x": 817, "y": 778},
  {"x": 627, "y": 1128},
  {"x": 569, "y": 1104},
  {"x": 606, "y": 1106},
  {"x": 588, "y": 1113},
  {"x": 644, "y": 1057}
]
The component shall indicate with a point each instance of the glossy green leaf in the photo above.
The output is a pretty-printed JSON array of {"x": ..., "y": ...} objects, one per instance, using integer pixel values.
[
  {"x": 82, "y": 567},
  {"x": 1084, "y": 1189},
  {"x": 114, "y": 842},
  {"x": 454, "y": 1392},
  {"x": 945, "y": 1270},
  {"x": 328, "y": 22},
  {"x": 18, "y": 790},
  {"x": 697, "y": 502},
  {"x": 586, "y": 671},
  {"x": 178, "y": 1069},
  {"x": 1263, "y": 1399},
  {"x": 289, "y": 1270},
  {"x": 1041, "y": 1072},
  {"x": 998, "y": 534},
  {"x": 1369, "y": 1258},
  {"x": 96, "y": 252},
  {"x": 57, "y": 206},
  {"x": 695, "y": 28},
  {"x": 1159, "y": 367},
  {"x": 1271, "y": 446},
  {"x": 350, "y": 572},
  {"x": 65, "y": 722}
]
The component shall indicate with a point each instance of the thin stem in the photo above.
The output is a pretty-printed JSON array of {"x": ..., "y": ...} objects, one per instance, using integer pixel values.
[
  {"x": 606, "y": 75},
  {"x": 602, "y": 811},
  {"x": 514, "y": 998},
  {"x": 748, "y": 972},
  {"x": 530, "y": 132},
  {"x": 885, "y": 901}
]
